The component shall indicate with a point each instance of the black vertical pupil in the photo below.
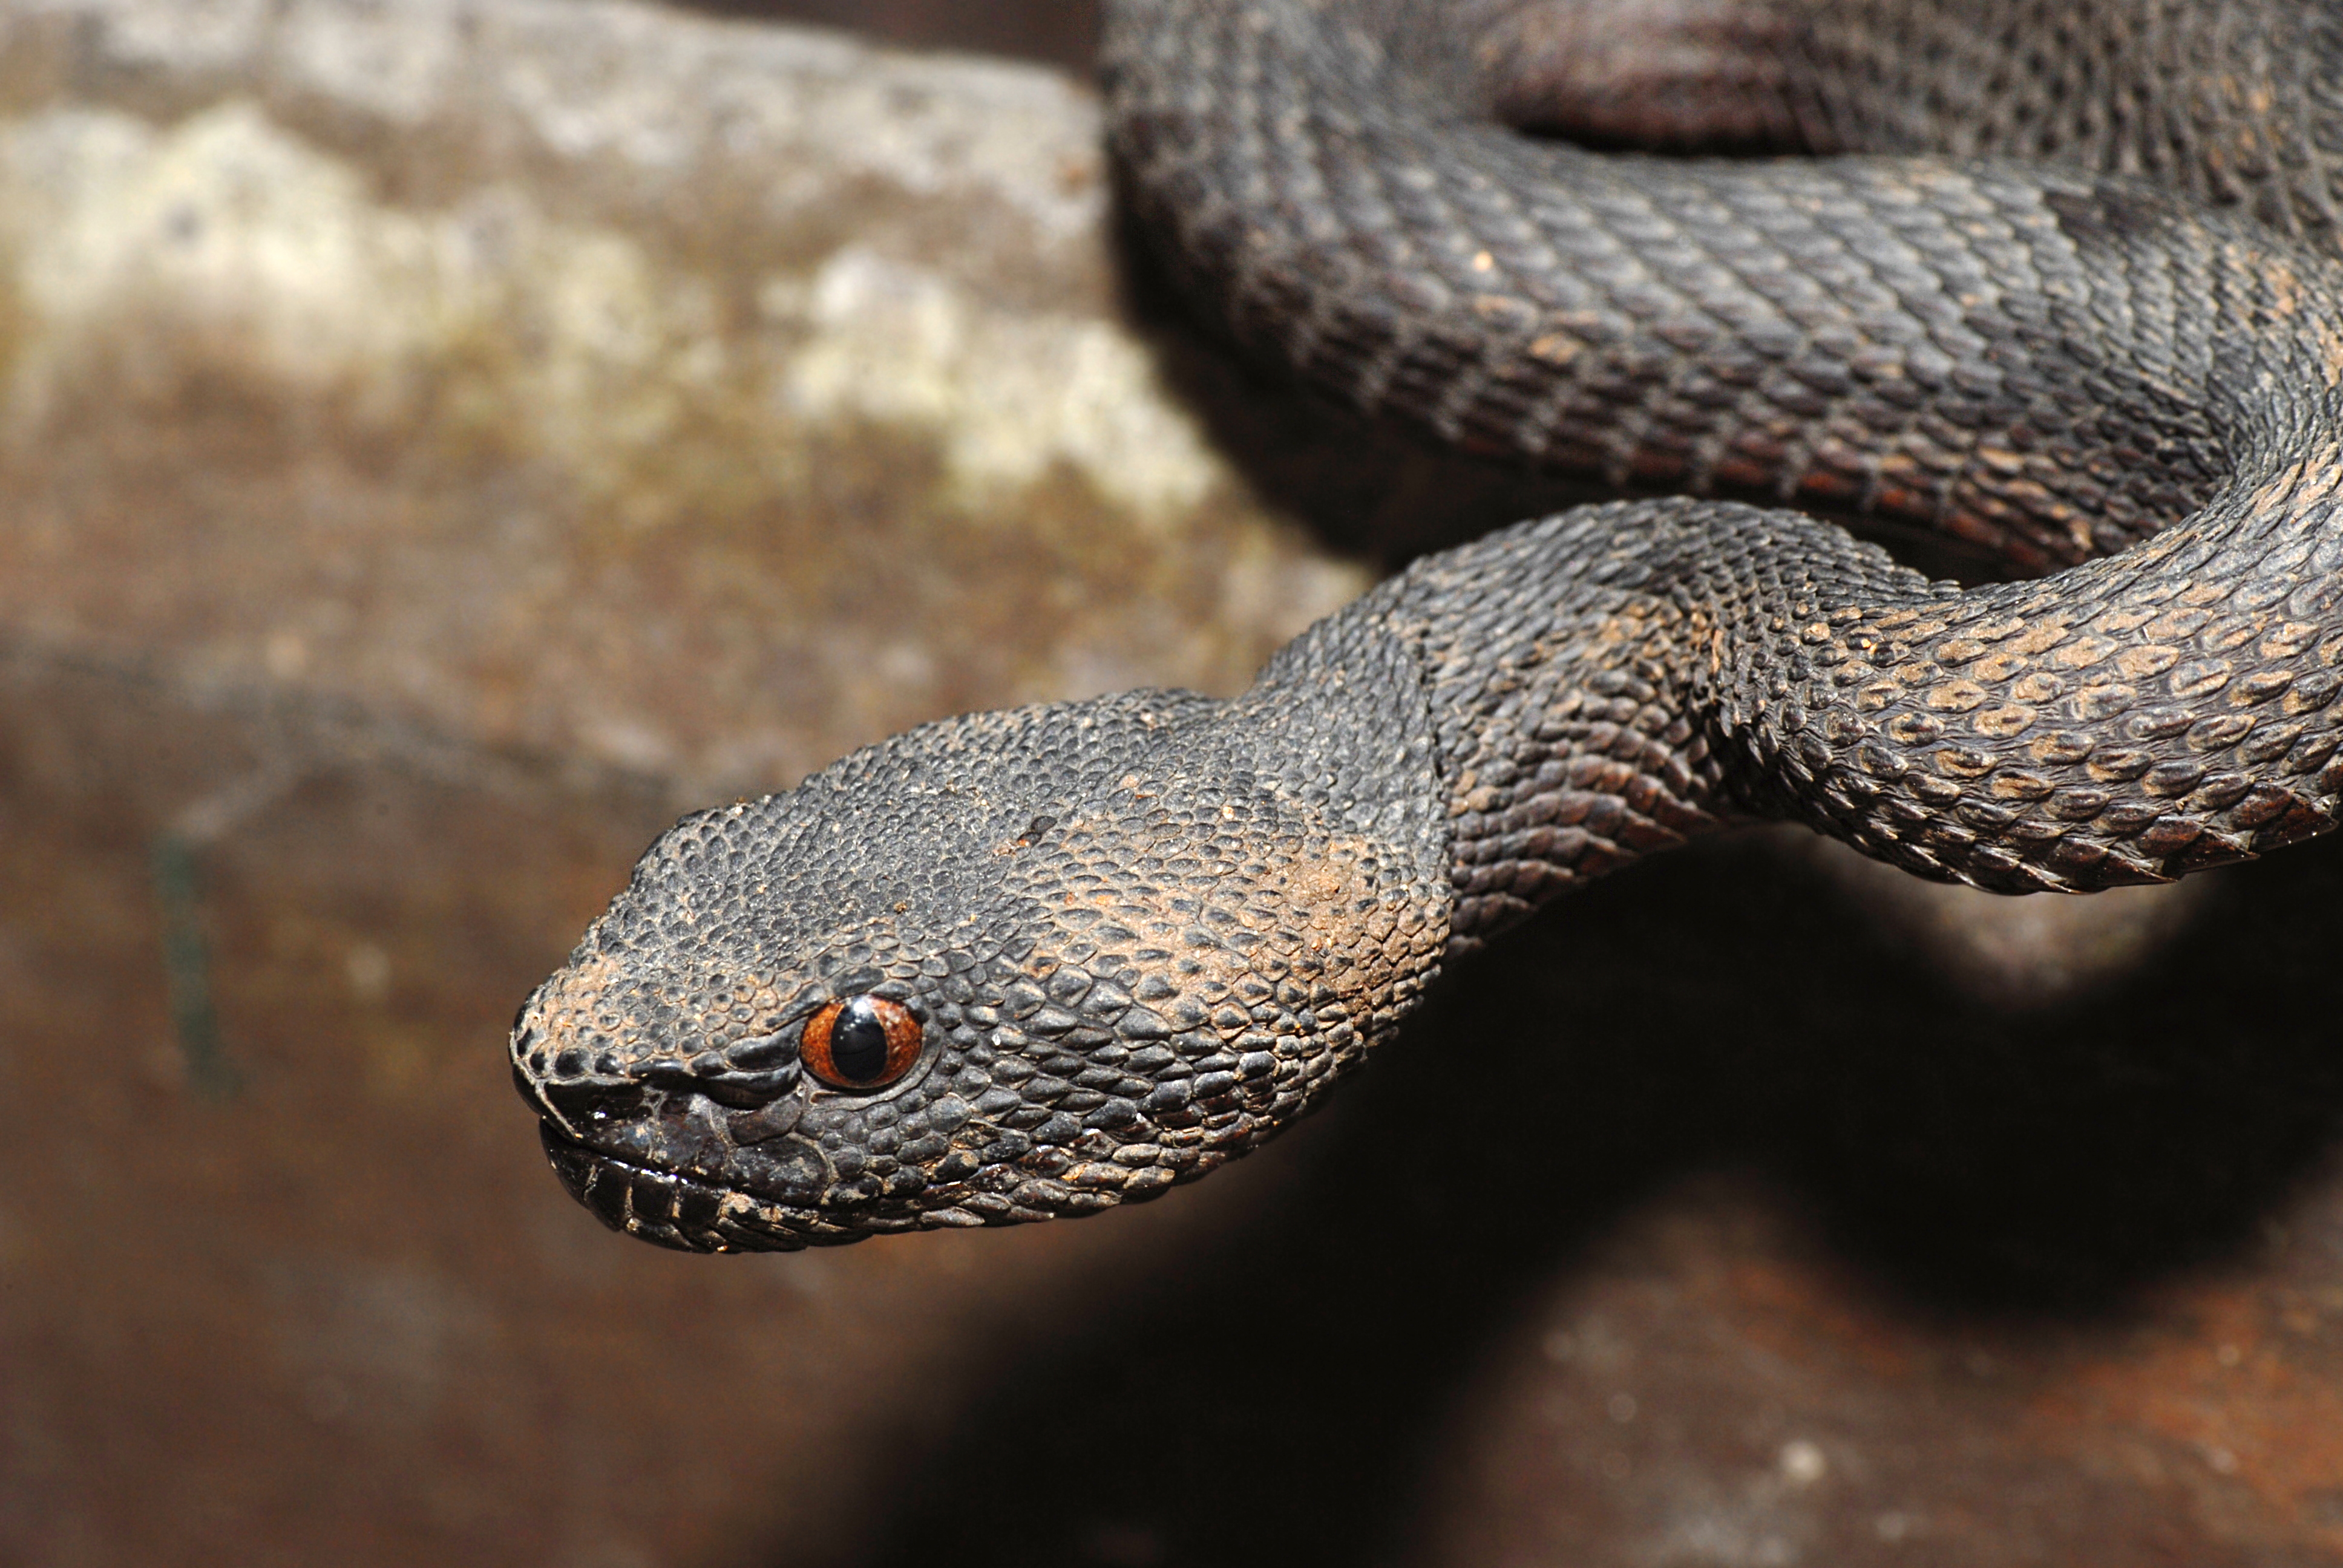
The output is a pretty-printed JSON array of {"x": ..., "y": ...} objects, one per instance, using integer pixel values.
[{"x": 858, "y": 1041}]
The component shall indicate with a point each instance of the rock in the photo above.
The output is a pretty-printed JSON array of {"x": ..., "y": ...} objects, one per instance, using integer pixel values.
[
  {"x": 1710, "y": 1385},
  {"x": 694, "y": 398}
]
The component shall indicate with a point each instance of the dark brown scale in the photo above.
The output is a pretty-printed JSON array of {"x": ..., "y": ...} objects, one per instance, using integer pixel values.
[{"x": 1136, "y": 936}]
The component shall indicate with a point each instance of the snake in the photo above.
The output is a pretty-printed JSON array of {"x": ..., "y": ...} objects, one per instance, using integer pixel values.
[{"x": 2055, "y": 279}]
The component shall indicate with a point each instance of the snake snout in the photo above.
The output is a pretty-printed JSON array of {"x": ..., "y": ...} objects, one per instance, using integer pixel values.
[
  {"x": 579, "y": 1102},
  {"x": 662, "y": 1207}
]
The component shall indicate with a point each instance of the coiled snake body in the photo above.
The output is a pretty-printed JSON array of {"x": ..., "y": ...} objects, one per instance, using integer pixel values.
[{"x": 1027, "y": 964}]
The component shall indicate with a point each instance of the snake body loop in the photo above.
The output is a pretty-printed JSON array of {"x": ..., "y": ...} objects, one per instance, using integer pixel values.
[{"x": 1133, "y": 936}]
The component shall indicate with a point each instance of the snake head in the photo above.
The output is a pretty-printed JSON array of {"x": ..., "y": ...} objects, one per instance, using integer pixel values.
[{"x": 1010, "y": 967}]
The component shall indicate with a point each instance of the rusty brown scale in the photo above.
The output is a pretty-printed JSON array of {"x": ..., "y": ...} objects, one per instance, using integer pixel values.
[{"x": 1060, "y": 958}]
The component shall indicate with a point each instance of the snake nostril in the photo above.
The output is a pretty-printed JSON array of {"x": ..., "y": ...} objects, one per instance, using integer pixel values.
[{"x": 576, "y": 1100}]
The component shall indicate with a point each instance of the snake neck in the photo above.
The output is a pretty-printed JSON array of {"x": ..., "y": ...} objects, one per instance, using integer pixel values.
[
  {"x": 1567, "y": 742},
  {"x": 1588, "y": 688},
  {"x": 1621, "y": 679}
]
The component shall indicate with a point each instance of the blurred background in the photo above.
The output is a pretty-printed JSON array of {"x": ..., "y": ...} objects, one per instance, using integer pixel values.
[{"x": 442, "y": 442}]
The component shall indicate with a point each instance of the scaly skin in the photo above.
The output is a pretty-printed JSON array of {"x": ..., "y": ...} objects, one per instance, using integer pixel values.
[{"x": 1137, "y": 936}]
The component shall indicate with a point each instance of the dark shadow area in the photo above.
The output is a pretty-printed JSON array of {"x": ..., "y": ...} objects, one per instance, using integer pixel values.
[
  {"x": 1056, "y": 32},
  {"x": 1722, "y": 1006}
]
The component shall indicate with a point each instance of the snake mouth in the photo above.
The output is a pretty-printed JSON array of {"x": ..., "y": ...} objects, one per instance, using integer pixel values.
[{"x": 669, "y": 1208}]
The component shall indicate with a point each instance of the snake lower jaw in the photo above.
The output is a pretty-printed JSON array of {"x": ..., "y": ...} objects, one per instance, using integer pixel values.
[{"x": 684, "y": 1212}]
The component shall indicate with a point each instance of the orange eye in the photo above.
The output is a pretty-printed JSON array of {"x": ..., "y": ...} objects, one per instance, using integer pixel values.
[{"x": 863, "y": 1043}]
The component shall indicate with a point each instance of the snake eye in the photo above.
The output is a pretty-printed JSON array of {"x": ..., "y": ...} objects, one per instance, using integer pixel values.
[{"x": 863, "y": 1043}]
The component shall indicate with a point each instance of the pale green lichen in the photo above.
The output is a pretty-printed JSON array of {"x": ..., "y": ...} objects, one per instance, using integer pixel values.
[
  {"x": 276, "y": 254},
  {"x": 550, "y": 475},
  {"x": 1006, "y": 396}
]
